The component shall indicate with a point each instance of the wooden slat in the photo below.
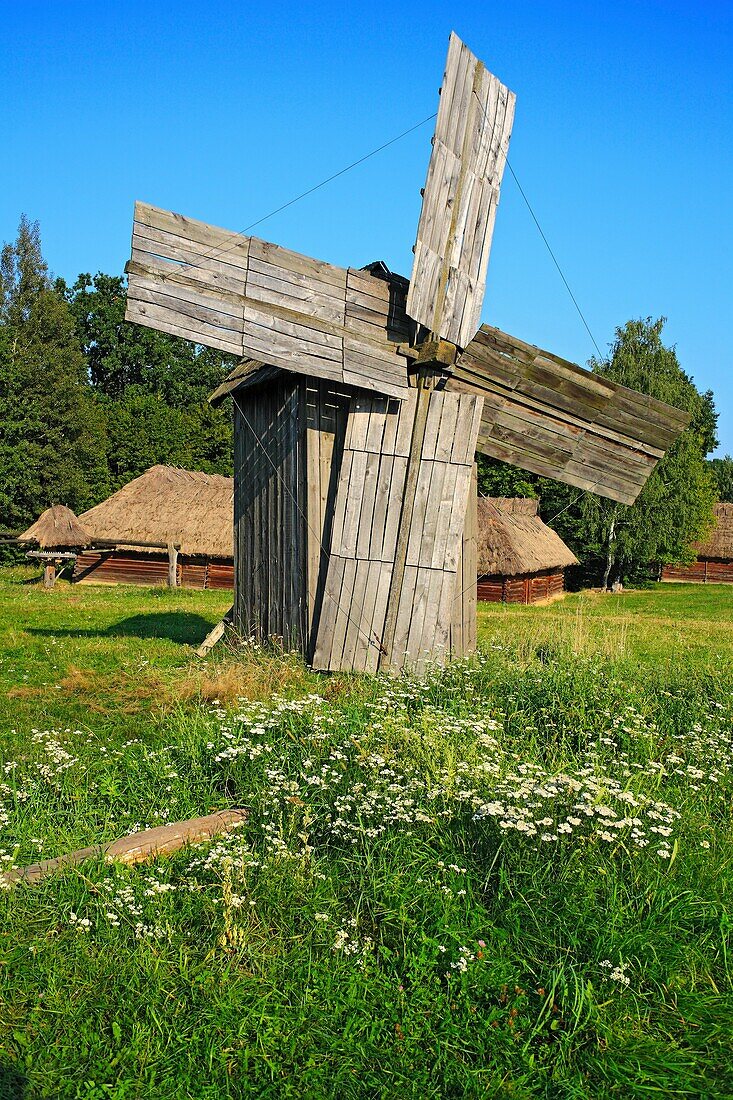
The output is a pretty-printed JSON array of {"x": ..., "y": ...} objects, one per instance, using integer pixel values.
[
  {"x": 463, "y": 611},
  {"x": 556, "y": 419},
  {"x": 270, "y": 533},
  {"x": 251, "y": 298},
  {"x": 461, "y": 194},
  {"x": 436, "y": 517},
  {"x": 363, "y": 537},
  {"x": 220, "y": 245}
]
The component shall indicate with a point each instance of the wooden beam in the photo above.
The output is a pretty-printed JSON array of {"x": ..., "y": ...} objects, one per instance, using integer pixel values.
[
  {"x": 215, "y": 634},
  {"x": 172, "y": 566}
]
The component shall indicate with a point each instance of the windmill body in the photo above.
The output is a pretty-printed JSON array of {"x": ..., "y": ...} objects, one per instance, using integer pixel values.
[{"x": 361, "y": 399}]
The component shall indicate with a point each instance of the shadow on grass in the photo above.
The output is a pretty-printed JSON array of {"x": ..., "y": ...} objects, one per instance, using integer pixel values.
[
  {"x": 12, "y": 1083},
  {"x": 184, "y": 627}
]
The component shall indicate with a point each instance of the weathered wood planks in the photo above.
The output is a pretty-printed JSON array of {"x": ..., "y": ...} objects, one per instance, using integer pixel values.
[
  {"x": 364, "y": 533},
  {"x": 435, "y": 518},
  {"x": 552, "y": 417},
  {"x": 270, "y": 528},
  {"x": 463, "y": 628},
  {"x": 254, "y": 299},
  {"x": 375, "y": 512},
  {"x": 460, "y": 198}
]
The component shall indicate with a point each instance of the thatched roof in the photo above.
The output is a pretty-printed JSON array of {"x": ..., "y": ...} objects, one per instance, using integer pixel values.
[
  {"x": 165, "y": 505},
  {"x": 56, "y": 529},
  {"x": 512, "y": 539},
  {"x": 719, "y": 543}
]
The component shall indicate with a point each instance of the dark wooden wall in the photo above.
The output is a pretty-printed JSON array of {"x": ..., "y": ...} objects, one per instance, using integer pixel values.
[
  {"x": 524, "y": 588},
  {"x": 702, "y": 571},
  {"x": 327, "y": 412},
  {"x": 129, "y": 567}
]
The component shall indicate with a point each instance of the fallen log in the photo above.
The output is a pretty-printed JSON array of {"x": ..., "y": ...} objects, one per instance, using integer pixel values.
[{"x": 135, "y": 848}]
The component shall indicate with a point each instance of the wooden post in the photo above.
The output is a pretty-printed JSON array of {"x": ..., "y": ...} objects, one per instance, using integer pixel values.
[
  {"x": 49, "y": 574},
  {"x": 172, "y": 566},
  {"x": 427, "y": 376}
]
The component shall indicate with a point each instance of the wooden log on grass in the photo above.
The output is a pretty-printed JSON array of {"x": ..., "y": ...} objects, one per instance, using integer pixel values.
[
  {"x": 215, "y": 634},
  {"x": 136, "y": 848}
]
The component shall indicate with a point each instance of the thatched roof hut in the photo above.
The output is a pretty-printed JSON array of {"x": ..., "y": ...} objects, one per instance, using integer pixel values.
[
  {"x": 519, "y": 558},
  {"x": 56, "y": 529},
  {"x": 714, "y": 554},
  {"x": 165, "y": 506}
]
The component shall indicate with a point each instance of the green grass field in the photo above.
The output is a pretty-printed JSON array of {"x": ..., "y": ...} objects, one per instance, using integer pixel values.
[{"x": 510, "y": 880}]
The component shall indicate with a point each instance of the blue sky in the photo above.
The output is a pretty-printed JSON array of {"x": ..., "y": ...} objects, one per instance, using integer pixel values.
[{"x": 622, "y": 141}]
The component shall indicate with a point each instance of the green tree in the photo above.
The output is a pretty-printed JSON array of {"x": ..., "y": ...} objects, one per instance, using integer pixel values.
[
  {"x": 499, "y": 479},
  {"x": 53, "y": 443},
  {"x": 121, "y": 354},
  {"x": 153, "y": 388},
  {"x": 722, "y": 470},
  {"x": 675, "y": 506}
]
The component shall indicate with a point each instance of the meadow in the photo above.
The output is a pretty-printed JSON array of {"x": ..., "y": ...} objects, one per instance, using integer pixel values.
[{"x": 511, "y": 879}]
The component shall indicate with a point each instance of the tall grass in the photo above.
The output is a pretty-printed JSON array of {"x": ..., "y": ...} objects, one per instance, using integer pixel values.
[{"x": 510, "y": 879}]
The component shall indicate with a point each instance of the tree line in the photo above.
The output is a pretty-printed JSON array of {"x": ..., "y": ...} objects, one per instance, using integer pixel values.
[{"x": 88, "y": 401}]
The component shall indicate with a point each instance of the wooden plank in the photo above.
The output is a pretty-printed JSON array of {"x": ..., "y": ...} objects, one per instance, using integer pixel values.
[
  {"x": 172, "y": 565},
  {"x": 358, "y": 629},
  {"x": 459, "y": 202},
  {"x": 296, "y": 262},
  {"x": 169, "y": 320},
  {"x": 252, "y": 298},
  {"x": 368, "y": 481},
  {"x": 394, "y": 508},
  {"x": 433, "y": 516},
  {"x": 312, "y": 419},
  {"x": 397, "y": 648},
  {"x": 362, "y": 282},
  {"x": 323, "y": 650},
  {"x": 295, "y": 296},
  {"x": 215, "y": 634},
  {"x": 558, "y": 420},
  {"x": 464, "y": 625},
  {"x": 210, "y": 239},
  {"x": 134, "y": 848},
  {"x": 369, "y": 506},
  {"x": 190, "y": 299}
]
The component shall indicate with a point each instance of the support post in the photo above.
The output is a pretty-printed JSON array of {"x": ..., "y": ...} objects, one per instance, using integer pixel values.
[
  {"x": 428, "y": 375},
  {"x": 172, "y": 566},
  {"x": 49, "y": 574}
]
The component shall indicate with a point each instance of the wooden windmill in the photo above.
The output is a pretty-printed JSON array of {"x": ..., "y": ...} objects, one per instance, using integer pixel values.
[{"x": 361, "y": 399}]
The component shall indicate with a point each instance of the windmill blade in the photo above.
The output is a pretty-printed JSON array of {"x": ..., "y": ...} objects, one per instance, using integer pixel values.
[
  {"x": 556, "y": 419},
  {"x": 460, "y": 198},
  {"x": 251, "y": 298}
]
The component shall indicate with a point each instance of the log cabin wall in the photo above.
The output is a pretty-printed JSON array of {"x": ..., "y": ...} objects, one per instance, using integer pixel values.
[
  {"x": 525, "y": 588},
  {"x": 702, "y": 571},
  {"x": 129, "y": 567}
]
